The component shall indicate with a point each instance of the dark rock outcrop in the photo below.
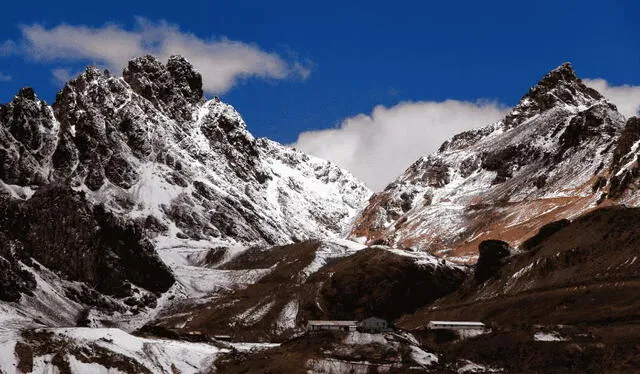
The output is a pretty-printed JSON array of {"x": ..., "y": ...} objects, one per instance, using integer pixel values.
[
  {"x": 62, "y": 231},
  {"x": 376, "y": 282},
  {"x": 173, "y": 89},
  {"x": 509, "y": 159},
  {"x": 492, "y": 257},
  {"x": 544, "y": 232},
  {"x": 14, "y": 279}
]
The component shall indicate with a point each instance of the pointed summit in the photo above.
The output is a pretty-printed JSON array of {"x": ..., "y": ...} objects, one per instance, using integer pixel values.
[
  {"x": 559, "y": 87},
  {"x": 27, "y": 93},
  {"x": 563, "y": 73}
]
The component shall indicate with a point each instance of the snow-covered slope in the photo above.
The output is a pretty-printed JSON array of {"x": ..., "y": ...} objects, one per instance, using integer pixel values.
[{"x": 548, "y": 159}]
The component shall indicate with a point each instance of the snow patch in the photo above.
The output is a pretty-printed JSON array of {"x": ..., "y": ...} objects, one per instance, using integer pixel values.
[
  {"x": 157, "y": 355},
  {"x": 548, "y": 337},
  {"x": 330, "y": 250},
  {"x": 287, "y": 318},
  {"x": 422, "y": 358},
  {"x": 254, "y": 314}
]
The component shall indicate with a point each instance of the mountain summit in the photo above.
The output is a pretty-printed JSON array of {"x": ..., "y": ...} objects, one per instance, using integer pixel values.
[{"x": 561, "y": 86}]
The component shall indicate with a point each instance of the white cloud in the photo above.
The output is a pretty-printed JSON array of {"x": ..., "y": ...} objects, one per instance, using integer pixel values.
[
  {"x": 221, "y": 61},
  {"x": 5, "y": 77},
  {"x": 625, "y": 97},
  {"x": 378, "y": 147}
]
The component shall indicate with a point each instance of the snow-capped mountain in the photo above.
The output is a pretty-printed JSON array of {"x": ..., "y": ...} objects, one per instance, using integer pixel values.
[
  {"x": 148, "y": 145},
  {"x": 551, "y": 157}
]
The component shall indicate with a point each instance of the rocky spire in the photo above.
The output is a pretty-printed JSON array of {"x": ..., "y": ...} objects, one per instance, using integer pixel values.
[
  {"x": 173, "y": 88},
  {"x": 186, "y": 79}
]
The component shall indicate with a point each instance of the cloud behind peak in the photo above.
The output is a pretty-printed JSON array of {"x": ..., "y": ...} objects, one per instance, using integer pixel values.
[
  {"x": 222, "y": 62},
  {"x": 377, "y": 147}
]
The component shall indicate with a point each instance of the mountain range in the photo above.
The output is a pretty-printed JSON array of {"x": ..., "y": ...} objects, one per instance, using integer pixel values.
[{"x": 142, "y": 227}]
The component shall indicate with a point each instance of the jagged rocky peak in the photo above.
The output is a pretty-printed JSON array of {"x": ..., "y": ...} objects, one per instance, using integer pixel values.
[
  {"x": 148, "y": 144},
  {"x": 186, "y": 78},
  {"x": 560, "y": 87},
  {"x": 27, "y": 93},
  {"x": 27, "y": 139},
  {"x": 173, "y": 88}
]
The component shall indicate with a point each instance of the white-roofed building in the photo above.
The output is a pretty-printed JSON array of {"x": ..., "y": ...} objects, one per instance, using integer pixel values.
[{"x": 455, "y": 325}]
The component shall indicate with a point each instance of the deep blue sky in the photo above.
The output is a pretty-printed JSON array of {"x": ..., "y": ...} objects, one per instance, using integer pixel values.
[{"x": 369, "y": 52}]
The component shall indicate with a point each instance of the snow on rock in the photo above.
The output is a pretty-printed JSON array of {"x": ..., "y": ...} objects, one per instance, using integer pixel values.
[
  {"x": 194, "y": 279},
  {"x": 254, "y": 314},
  {"x": 8, "y": 361},
  {"x": 335, "y": 366},
  {"x": 156, "y": 355},
  {"x": 330, "y": 250},
  {"x": 77, "y": 366},
  {"x": 360, "y": 338},
  {"x": 551, "y": 336},
  {"x": 472, "y": 367},
  {"x": 253, "y": 347}
]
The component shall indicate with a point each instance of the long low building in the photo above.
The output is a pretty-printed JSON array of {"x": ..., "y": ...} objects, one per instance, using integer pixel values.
[
  {"x": 455, "y": 325},
  {"x": 332, "y": 325}
]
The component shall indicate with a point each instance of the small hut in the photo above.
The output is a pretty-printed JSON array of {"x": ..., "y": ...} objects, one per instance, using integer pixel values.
[{"x": 373, "y": 324}]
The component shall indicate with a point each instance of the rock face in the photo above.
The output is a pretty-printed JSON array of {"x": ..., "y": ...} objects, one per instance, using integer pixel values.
[
  {"x": 625, "y": 174},
  {"x": 28, "y": 137},
  {"x": 402, "y": 284},
  {"x": 90, "y": 184},
  {"x": 173, "y": 89},
  {"x": 492, "y": 255},
  {"x": 559, "y": 153},
  {"x": 58, "y": 228}
]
